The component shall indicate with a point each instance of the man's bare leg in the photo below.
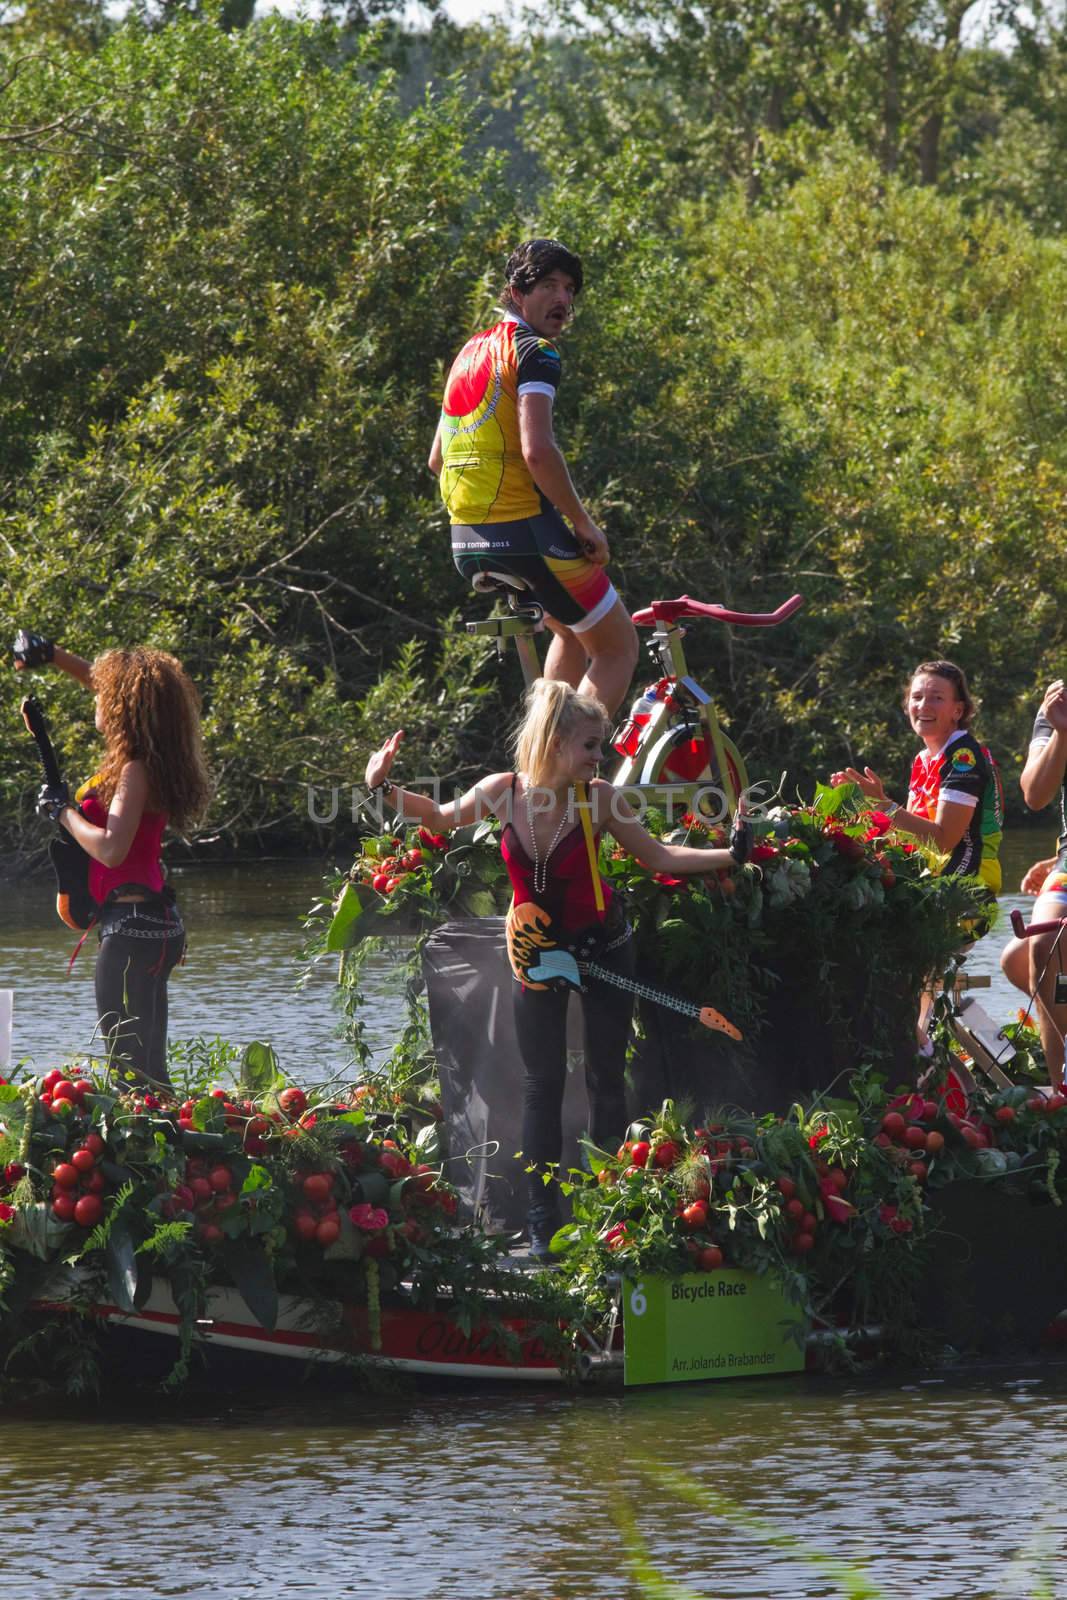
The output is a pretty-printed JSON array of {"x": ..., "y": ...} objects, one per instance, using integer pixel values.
[
  {"x": 599, "y": 661},
  {"x": 1051, "y": 1019}
]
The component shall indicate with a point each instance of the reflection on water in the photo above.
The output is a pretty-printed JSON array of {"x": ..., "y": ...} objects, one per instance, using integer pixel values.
[
  {"x": 241, "y": 976},
  {"x": 931, "y": 1488}
]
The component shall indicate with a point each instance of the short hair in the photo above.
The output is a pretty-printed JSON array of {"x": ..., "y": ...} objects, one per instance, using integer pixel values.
[
  {"x": 534, "y": 260},
  {"x": 958, "y": 679}
]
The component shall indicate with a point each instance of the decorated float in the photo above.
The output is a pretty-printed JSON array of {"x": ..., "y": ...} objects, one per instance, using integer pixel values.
[{"x": 803, "y": 1196}]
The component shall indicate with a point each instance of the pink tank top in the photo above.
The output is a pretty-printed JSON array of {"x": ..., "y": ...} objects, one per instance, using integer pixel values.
[{"x": 142, "y": 864}]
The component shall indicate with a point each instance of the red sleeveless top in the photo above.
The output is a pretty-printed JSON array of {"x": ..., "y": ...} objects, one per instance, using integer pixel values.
[
  {"x": 568, "y": 895},
  {"x": 142, "y": 864}
]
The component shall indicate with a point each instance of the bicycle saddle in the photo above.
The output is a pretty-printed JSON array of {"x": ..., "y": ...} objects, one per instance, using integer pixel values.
[
  {"x": 490, "y": 582},
  {"x": 671, "y": 610}
]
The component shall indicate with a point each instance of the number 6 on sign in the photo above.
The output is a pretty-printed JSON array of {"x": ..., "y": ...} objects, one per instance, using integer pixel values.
[{"x": 638, "y": 1302}]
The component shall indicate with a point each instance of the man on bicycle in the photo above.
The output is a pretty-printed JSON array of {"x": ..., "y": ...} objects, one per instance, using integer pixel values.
[
  {"x": 1035, "y": 968},
  {"x": 506, "y": 484}
]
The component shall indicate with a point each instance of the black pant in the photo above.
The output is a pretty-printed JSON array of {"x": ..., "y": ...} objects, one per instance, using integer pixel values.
[
  {"x": 541, "y": 1028},
  {"x": 131, "y": 997}
]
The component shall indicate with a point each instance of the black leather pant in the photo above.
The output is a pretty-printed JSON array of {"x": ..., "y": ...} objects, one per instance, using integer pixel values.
[{"x": 541, "y": 1028}]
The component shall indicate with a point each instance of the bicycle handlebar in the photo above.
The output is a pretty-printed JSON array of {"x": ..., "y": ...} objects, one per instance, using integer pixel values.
[
  {"x": 1021, "y": 931},
  {"x": 671, "y": 610}
]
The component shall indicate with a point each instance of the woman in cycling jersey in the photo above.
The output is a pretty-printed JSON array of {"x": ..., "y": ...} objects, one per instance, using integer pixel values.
[
  {"x": 559, "y": 898},
  {"x": 153, "y": 775},
  {"x": 954, "y": 804}
]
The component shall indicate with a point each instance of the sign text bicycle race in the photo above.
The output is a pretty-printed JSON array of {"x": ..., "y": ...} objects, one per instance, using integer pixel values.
[{"x": 725, "y": 1324}]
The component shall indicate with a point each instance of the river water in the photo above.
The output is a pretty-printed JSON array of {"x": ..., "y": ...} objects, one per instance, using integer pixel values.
[{"x": 943, "y": 1487}]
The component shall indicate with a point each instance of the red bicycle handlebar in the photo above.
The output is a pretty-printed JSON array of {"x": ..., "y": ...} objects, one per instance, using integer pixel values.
[
  {"x": 671, "y": 610},
  {"x": 1021, "y": 931}
]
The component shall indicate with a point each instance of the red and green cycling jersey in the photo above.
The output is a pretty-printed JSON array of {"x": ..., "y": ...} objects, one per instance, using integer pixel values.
[
  {"x": 484, "y": 478},
  {"x": 964, "y": 773}
]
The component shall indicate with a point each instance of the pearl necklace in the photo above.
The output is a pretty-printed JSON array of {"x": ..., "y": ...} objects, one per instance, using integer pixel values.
[{"x": 541, "y": 872}]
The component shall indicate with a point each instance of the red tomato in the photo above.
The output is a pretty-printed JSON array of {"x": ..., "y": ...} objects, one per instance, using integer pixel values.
[
  {"x": 379, "y": 882},
  {"x": 1056, "y": 1102},
  {"x": 258, "y": 1127},
  {"x": 317, "y": 1186},
  {"x": 305, "y": 1225},
  {"x": 50, "y": 1079},
  {"x": 294, "y": 1102},
  {"x": 1005, "y": 1113},
  {"x": 391, "y": 884},
  {"x": 934, "y": 1142},
  {"x": 710, "y": 1258},
  {"x": 839, "y": 1178},
  {"x": 219, "y": 1094},
  {"x": 695, "y": 1215},
  {"x": 94, "y": 1143},
  {"x": 64, "y": 1090},
  {"x": 328, "y": 1231},
  {"x": 640, "y": 1152},
  {"x": 666, "y": 1154},
  {"x": 893, "y": 1124},
  {"x": 929, "y": 1110},
  {"x": 220, "y": 1179},
  {"x": 201, "y": 1188},
  {"x": 66, "y": 1175},
  {"x": 970, "y": 1136},
  {"x": 802, "y": 1243},
  {"x": 1036, "y": 1103},
  {"x": 918, "y": 1170},
  {"x": 82, "y": 1086},
  {"x": 915, "y": 1137},
  {"x": 209, "y": 1233},
  {"x": 808, "y": 1223},
  {"x": 63, "y": 1206},
  {"x": 97, "y": 1183},
  {"x": 84, "y": 1160},
  {"x": 794, "y": 1208},
  {"x": 225, "y": 1201},
  {"x": 787, "y": 1187},
  {"x": 88, "y": 1210},
  {"x": 623, "y": 1152}
]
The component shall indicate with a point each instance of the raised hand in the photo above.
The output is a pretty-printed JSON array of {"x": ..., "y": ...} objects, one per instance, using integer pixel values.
[
  {"x": 31, "y": 650},
  {"x": 868, "y": 782},
  {"x": 380, "y": 762},
  {"x": 1054, "y": 705},
  {"x": 1036, "y": 876}
]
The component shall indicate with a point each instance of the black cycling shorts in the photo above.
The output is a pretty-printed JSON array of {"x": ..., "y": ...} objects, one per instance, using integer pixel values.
[{"x": 545, "y": 554}]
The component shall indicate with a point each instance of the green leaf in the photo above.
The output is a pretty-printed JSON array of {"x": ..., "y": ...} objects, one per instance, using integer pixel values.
[
  {"x": 254, "y": 1276},
  {"x": 342, "y": 932},
  {"x": 260, "y": 1072},
  {"x": 204, "y": 1113},
  {"x": 121, "y": 1264},
  {"x": 8, "y": 1092},
  {"x": 258, "y": 1178}
]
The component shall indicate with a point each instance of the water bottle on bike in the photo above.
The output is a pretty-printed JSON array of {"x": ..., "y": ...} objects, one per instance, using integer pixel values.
[{"x": 628, "y": 738}]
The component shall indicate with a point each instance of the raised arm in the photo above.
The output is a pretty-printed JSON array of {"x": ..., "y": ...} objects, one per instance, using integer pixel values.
[
  {"x": 34, "y": 650},
  {"x": 1046, "y": 763},
  {"x": 485, "y": 799}
]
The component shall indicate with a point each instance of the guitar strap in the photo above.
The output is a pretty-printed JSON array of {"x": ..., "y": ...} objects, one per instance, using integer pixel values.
[{"x": 585, "y": 808}]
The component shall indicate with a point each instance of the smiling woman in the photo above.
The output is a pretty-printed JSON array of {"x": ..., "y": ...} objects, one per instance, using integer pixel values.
[{"x": 955, "y": 802}]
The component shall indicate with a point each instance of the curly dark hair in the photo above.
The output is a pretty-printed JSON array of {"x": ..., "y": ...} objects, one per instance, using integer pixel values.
[
  {"x": 150, "y": 711},
  {"x": 534, "y": 260}
]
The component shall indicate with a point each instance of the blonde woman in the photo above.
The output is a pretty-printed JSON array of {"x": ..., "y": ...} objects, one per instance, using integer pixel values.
[{"x": 554, "y": 809}]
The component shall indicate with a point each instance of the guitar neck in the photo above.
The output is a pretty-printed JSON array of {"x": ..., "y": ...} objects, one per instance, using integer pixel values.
[{"x": 644, "y": 990}]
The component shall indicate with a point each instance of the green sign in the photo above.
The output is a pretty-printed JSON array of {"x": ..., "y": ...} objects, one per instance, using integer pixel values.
[{"x": 727, "y": 1324}]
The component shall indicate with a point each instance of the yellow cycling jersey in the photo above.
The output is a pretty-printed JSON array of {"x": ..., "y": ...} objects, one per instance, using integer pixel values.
[{"x": 483, "y": 477}]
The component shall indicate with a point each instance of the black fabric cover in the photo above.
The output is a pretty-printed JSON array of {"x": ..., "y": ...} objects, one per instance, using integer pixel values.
[{"x": 469, "y": 989}]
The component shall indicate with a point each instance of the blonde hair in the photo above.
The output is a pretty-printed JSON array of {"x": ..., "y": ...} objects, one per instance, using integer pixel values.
[
  {"x": 553, "y": 710},
  {"x": 150, "y": 712}
]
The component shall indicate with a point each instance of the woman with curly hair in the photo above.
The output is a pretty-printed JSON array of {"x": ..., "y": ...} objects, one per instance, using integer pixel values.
[{"x": 153, "y": 774}]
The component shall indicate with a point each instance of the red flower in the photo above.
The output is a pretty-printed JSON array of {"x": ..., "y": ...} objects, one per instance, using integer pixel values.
[
  {"x": 837, "y": 1208},
  {"x": 6, "y": 1212},
  {"x": 432, "y": 841},
  {"x": 372, "y": 1219},
  {"x": 670, "y": 883},
  {"x": 13, "y": 1172},
  {"x": 819, "y": 1134},
  {"x": 763, "y": 852},
  {"x": 908, "y": 849},
  {"x": 888, "y": 1214},
  {"x": 880, "y": 824}
]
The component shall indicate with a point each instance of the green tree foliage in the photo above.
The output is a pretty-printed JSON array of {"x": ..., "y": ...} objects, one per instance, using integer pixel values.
[
  {"x": 235, "y": 267},
  {"x": 236, "y": 263}
]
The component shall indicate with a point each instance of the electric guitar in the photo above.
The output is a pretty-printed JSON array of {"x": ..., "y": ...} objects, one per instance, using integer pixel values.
[{"x": 74, "y": 904}]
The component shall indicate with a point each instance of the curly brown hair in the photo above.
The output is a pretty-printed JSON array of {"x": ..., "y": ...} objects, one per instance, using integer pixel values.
[{"x": 149, "y": 710}]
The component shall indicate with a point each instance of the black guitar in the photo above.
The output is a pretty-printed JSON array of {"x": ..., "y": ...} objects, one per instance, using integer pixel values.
[{"x": 74, "y": 904}]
